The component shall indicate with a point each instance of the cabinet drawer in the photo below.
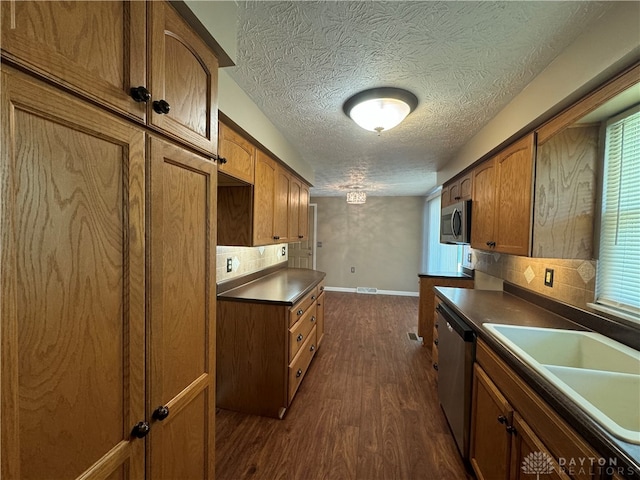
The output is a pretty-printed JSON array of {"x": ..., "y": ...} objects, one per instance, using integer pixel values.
[
  {"x": 300, "y": 331},
  {"x": 298, "y": 368},
  {"x": 299, "y": 308}
]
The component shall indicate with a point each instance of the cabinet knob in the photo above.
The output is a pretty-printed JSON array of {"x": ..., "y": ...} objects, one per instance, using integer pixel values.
[
  {"x": 435, "y": 366},
  {"x": 436, "y": 326},
  {"x": 276, "y": 237},
  {"x": 313, "y": 347},
  {"x": 298, "y": 373},
  {"x": 313, "y": 297},
  {"x": 491, "y": 244},
  {"x": 502, "y": 419},
  {"x": 300, "y": 236},
  {"x": 140, "y": 94},
  {"x": 300, "y": 312},
  {"x": 436, "y": 342},
  {"x": 313, "y": 319},
  {"x": 161, "y": 413},
  {"x": 299, "y": 338},
  {"x": 140, "y": 429},
  {"x": 457, "y": 198},
  {"x": 512, "y": 430},
  {"x": 222, "y": 160},
  {"x": 161, "y": 106}
]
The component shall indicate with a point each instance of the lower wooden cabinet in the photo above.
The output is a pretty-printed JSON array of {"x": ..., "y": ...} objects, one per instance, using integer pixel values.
[
  {"x": 108, "y": 301},
  {"x": 491, "y": 415},
  {"x": 263, "y": 352},
  {"x": 515, "y": 434}
]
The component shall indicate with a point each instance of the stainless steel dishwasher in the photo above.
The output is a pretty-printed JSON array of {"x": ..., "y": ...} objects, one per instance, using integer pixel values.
[{"x": 456, "y": 353}]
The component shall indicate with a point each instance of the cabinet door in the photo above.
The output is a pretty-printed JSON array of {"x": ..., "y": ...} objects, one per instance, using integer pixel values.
[
  {"x": 444, "y": 196},
  {"x": 466, "y": 187},
  {"x": 72, "y": 283},
  {"x": 97, "y": 48},
  {"x": 490, "y": 441},
  {"x": 483, "y": 207},
  {"x": 181, "y": 340},
  {"x": 294, "y": 209},
  {"x": 514, "y": 183},
  {"x": 529, "y": 456},
  {"x": 264, "y": 196},
  {"x": 303, "y": 225},
  {"x": 238, "y": 152},
  {"x": 281, "y": 206},
  {"x": 183, "y": 73}
]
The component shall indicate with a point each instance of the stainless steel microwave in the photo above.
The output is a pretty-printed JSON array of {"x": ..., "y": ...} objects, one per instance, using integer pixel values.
[{"x": 455, "y": 223}]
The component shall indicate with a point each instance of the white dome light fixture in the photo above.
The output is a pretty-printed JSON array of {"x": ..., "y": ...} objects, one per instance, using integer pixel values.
[{"x": 379, "y": 109}]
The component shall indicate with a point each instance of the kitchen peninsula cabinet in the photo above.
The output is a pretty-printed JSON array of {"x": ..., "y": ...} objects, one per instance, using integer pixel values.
[
  {"x": 139, "y": 59},
  {"x": 266, "y": 339},
  {"x": 518, "y": 422},
  {"x": 503, "y": 199}
]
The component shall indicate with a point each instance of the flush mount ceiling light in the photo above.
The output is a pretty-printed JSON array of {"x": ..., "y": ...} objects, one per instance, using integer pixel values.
[
  {"x": 379, "y": 109},
  {"x": 356, "y": 198}
]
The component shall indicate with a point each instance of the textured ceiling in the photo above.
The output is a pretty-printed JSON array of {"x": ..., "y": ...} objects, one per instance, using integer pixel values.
[{"x": 299, "y": 61}]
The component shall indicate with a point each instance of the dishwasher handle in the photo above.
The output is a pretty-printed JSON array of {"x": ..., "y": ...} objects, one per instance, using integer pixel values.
[{"x": 457, "y": 324}]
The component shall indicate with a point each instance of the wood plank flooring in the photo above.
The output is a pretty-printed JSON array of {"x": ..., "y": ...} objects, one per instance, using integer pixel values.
[{"x": 367, "y": 409}]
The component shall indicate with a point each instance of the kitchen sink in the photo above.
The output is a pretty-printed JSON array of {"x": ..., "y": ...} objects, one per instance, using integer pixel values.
[{"x": 601, "y": 375}]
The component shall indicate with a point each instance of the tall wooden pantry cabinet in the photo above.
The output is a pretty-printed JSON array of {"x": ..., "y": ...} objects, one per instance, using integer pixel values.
[{"x": 107, "y": 246}]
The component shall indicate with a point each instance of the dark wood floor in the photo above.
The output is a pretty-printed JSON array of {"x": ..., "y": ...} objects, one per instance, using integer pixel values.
[{"x": 367, "y": 408}]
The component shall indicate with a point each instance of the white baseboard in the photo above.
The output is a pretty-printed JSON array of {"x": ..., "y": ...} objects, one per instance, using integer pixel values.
[{"x": 379, "y": 292}]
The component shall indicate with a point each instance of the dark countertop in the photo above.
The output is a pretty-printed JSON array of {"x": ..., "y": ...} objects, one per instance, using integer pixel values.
[
  {"x": 465, "y": 274},
  {"x": 482, "y": 306},
  {"x": 285, "y": 286}
]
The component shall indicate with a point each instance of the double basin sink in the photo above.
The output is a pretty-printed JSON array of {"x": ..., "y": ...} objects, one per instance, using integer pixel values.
[{"x": 600, "y": 375}]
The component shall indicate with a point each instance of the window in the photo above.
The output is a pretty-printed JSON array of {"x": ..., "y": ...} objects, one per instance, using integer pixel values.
[
  {"x": 437, "y": 257},
  {"x": 618, "y": 276}
]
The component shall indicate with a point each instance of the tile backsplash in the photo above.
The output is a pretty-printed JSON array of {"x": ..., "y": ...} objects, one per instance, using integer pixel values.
[
  {"x": 574, "y": 281},
  {"x": 245, "y": 260}
]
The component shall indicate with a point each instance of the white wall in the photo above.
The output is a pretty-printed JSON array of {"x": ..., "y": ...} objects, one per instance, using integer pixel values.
[
  {"x": 381, "y": 239},
  {"x": 600, "y": 52}
]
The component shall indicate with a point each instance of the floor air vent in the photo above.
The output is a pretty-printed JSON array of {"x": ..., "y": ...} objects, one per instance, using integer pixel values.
[{"x": 370, "y": 290}]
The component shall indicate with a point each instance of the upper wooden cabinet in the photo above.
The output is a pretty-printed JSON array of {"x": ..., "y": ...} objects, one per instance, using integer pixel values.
[
  {"x": 502, "y": 200},
  {"x": 272, "y": 210},
  {"x": 103, "y": 50},
  {"x": 457, "y": 190},
  {"x": 97, "y": 49},
  {"x": 184, "y": 75},
  {"x": 237, "y": 154}
]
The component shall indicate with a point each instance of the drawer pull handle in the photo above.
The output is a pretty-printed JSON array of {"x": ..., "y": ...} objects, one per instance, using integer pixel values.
[
  {"x": 298, "y": 373},
  {"x": 300, "y": 337},
  {"x": 313, "y": 319},
  {"x": 300, "y": 312},
  {"x": 313, "y": 347},
  {"x": 502, "y": 419}
]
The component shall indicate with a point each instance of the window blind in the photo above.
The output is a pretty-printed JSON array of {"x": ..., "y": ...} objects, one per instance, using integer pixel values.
[
  {"x": 440, "y": 257},
  {"x": 618, "y": 275}
]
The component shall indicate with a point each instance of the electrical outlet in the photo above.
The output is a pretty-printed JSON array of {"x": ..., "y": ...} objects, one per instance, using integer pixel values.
[
  {"x": 548, "y": 277},
  {"x": 229, "y": 264},
  {"x": 353, "y": 269},
  {"x": 284, "y": 251}
]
